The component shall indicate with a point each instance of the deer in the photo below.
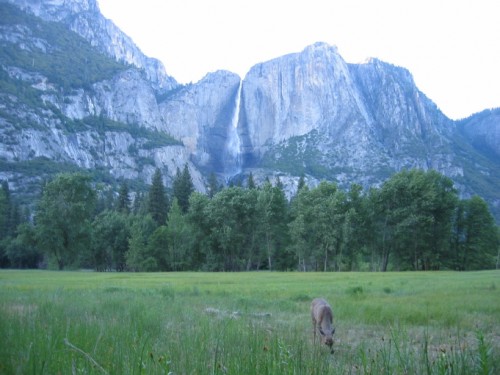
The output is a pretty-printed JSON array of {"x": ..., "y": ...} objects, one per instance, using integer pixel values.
[{"x": 322, "y": 320}]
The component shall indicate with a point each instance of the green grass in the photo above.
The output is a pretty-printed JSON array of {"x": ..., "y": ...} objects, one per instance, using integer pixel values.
[{"x": 247, "y": 323}]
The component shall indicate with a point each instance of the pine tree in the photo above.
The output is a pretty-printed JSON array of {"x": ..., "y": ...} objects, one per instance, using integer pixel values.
[
  {"x": 251, "y": 182},
  {"x": 302, "y": 182},
  {"x": 183, "y": 187},
  {"x": 157, "y": 199},
  {"x": 107, "y": 200},
  {"x": 4, "y": 210},
  {"x": 278, "y": 183},
  {"x": 123, "y": 203},
  {"x": 213, "y": 185},
  {"x": 11, "y": 216},
  {"x": 140, "y": 204}
]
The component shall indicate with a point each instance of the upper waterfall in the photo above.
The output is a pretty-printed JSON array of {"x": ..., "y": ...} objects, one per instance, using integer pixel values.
[{"x": 233, "y": 153}]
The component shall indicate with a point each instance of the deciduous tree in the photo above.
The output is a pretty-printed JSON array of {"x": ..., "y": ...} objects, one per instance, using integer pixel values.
[
  {"x": 480, "y": 239},
  {"x": 63, "y": 218},
  {"x": 272, "y": 222},
  {"x": 110, "y": 236},
  {"x": 179, "y": 239},
  {"x": 140, "y": 256}
]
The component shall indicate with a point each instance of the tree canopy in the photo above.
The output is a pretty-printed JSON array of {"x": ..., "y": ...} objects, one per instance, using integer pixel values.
[
  {"x": 414, "y": 221},
  {"x": 63, "y": 218}
]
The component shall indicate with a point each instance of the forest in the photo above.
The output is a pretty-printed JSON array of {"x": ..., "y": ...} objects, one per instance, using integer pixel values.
[{"x": 414, "y": 221}]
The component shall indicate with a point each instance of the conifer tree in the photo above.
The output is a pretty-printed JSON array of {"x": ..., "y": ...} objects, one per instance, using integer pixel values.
[
  {"x": 4, "y": 211},
  {"x": 106, "y": 201},
  {"x": 278, "y": 183},
  {"x": 10, "y": 215},
  {"x": 251, "y": 182},
  {"x": 123, "y": 204},
  {"x": 213, "y": 185},
  {"x": 302, "y": 182},
  {"x": 157, "y": 199},
  {"x": 183, "y": 187},
  {"x": 139, "y": 205}
]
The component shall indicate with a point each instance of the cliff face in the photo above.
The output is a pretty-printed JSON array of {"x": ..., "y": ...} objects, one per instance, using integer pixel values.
[
  {"x": 75, "y": 92},
  {"x": 299, "y": 93},
  {"x": 483, "y": 131},
  {"x": 201, "y": 117},
  {"x": 312, "y": 112},
  {"x": 65, "y": 102}
]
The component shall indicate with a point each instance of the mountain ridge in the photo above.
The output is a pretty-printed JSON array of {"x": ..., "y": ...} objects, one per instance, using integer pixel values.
[{"x": 84, "y": 18}]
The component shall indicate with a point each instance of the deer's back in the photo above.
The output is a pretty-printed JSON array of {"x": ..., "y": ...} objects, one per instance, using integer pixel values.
[{"x": 321, "y": 311}]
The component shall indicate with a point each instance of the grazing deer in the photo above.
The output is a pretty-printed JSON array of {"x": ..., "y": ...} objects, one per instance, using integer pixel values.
[{"x": 322, "y": 320}]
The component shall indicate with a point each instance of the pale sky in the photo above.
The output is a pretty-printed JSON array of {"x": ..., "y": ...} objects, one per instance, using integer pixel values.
[{"x": 452, "y": 47}]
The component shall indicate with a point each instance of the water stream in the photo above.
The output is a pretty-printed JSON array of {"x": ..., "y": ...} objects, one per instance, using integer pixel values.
[{"x": 233, "y": 162}]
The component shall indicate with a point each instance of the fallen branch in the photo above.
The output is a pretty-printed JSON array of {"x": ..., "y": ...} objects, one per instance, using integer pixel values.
[
  {"x": 235, "y": 314},
  {"x": 86, "y": 355}
]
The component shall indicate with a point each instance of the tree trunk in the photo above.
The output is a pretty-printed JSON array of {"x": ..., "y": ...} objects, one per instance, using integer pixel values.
[
  {"x": 326, "y": 259},
  {"x": 385, "y": 252},
  {"x": 385, "y": 261},
  {"x": 268, "y": 252}
]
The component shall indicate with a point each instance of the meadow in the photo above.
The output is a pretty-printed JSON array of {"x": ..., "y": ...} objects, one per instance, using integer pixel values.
[{"x": 248, "y": 323}]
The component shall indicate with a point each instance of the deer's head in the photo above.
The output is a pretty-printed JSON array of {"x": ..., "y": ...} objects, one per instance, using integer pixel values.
[{"x": 327, "y": 336}]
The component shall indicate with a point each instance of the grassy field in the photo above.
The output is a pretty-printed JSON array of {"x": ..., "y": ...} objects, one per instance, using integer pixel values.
[{"x": 248, "y": 323}]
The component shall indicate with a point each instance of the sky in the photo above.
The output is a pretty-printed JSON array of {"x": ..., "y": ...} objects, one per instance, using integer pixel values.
[{"x": 451, "y": 47}]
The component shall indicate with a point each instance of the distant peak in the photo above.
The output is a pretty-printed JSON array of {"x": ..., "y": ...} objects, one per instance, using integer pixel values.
[
  {"x": 321, "y": 46},
  {"x": 56, "y": 9},
  {"x": 381, "y": 64},
  {"x": 369, "y": 60}
]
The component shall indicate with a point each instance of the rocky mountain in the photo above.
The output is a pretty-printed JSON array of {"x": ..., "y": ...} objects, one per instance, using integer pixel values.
[
  {"x": 483, "y": 131},
  {"x": 84, "y": 18},
  {"x": 70, "y": 101},
  {"x": 75, "y": 92},
  {"x": 313, "y": 111}
]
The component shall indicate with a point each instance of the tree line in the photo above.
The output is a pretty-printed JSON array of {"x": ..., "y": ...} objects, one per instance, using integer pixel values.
[{"x": 414, "y": 221}]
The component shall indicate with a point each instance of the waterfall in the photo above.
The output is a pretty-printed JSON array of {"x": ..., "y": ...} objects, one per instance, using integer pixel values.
[{"x": 233, "y": 160}]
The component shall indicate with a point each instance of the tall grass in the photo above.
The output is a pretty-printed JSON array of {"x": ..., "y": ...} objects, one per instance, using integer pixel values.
[{"x": 247, "y": 323}]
